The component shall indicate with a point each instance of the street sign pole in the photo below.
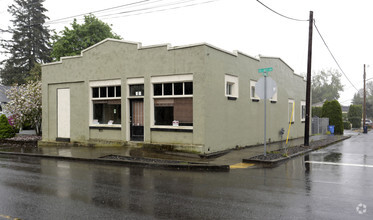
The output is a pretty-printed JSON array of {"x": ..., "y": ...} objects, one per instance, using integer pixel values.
[{"x": 265, "y": 71}]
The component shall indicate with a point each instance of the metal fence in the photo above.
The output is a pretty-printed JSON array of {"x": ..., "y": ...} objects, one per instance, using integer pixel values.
[{"x": 319, "y": 125}]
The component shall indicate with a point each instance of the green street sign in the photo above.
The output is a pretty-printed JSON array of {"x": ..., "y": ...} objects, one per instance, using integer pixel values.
[{"x": 265, "y": 70}]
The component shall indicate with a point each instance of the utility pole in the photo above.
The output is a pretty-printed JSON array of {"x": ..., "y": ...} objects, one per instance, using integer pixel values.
[
  {"x": 308, "y": 88},
  {"x": 364, "y": 106}
]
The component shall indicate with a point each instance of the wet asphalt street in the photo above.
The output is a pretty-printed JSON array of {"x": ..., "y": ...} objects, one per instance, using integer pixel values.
[{"x": 327, "y": 184}]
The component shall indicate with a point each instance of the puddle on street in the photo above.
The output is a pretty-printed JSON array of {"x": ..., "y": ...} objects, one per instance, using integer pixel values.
[
  {"x": 333, "y": 157},
  {"x": 22, "y": 149}
]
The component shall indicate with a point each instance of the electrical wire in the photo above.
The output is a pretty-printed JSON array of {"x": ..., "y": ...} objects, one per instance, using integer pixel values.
[
  {"x": 160, "y": 10},
  {"x": 345, "y": 101},
  {"x": 335, "y": 60},
  {"x": 128, "y": 13},
  {"x": 102, "y": 10},
  {"x": 137, "y": 10},
  {"x": 294, "y": 19}
]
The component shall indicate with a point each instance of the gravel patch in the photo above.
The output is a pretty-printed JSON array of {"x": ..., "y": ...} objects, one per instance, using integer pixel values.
[
  {"x": 20, "y": 140},
  {"x": 149, "y": 160},
  {"x": 285, "y": 152},
  {"x": 25, "y": 138}
]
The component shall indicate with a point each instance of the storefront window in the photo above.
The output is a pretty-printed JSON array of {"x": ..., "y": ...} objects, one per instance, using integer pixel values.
[
  {"x": 106, "y": 102},
  {"x": 173, "y": 111}
]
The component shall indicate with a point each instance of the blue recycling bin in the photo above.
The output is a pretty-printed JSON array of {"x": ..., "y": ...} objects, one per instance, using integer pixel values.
[
  {"x": 331, "y": 129},
  {"x": 365, "y": 129}
]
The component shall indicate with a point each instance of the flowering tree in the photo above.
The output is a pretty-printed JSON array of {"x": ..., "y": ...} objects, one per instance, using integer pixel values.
[{"x": 25, "y": 105}]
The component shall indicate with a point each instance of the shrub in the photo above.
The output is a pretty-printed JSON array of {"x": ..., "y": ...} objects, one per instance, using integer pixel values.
[
  {"x": 346, "y": 125},
  {"x": 6, "y": 131},
  {"x": 317, "y": 112},
  {"x": 355, "y": 121},
  {"x": 333, "y": 111},
  {"x": 354, "y": 115}
]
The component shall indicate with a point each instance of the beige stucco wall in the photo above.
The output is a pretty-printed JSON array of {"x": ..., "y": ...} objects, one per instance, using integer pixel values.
[
  {"x": 231, "y": 123},
  {"x": 120, "y": 60},
  {"x": 218, "y": 123}
]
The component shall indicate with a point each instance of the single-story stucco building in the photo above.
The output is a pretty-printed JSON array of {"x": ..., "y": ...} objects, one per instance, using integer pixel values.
[{"x": 195, "y": 98}]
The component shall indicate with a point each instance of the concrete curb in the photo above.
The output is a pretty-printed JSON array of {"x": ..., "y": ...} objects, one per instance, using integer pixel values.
[
  {"x": 273, "y": 163},
  {"x": 173, "y": 166}
]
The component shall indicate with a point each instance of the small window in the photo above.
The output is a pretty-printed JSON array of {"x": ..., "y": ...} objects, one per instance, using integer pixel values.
[
  {"x": 291, "y": 111},
  {"x": 118, "y": 91},
  {"x": 167, "y": 89},
  {"x": 95, "y": 92},
  {"x": 103, "y": 92},
  {"x": 178, "y": 88},
  {"x": 253, "y": 95},
  {"x": 111, "y": 91},
  {"x": 231, "y": 86},
  {"x": 137, "y": 90},
  {"x": 188, "y": 88},
  {"x": 157, "y": 89},
  {"x": 303, "y": 110}
]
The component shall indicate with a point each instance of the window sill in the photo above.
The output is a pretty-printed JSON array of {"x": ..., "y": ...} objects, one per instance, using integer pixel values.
[
  {"x": 106, "y": 127},
  {"x": 273, "y": 101},
  {"x": 232, "y": 98},
  {"x": 255, "y": 100},
  {"x": 304, "y": 121},
  {"x": 173, "y": 129}
]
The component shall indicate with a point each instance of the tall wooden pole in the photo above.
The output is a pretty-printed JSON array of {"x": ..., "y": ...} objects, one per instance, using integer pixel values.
[{"x": 308, "y": 89}]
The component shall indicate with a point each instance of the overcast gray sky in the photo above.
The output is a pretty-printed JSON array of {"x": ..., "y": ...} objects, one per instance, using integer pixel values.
[{"x": 243, "y": 25}]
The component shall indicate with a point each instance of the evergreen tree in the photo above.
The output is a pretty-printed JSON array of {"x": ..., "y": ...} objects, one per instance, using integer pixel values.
[
  {"x": 354, "y": 115},
  {"x": 30, "y": 41},
  {"x": 333, "y": 111},
  {"x": 358, "y": 99}
]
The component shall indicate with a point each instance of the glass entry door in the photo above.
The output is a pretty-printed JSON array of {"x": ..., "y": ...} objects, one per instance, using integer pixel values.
[{"x": 137, "y": 119}]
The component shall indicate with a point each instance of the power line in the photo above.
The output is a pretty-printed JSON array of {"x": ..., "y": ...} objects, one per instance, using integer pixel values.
[
  {"x": 335, "y": 60},
  {"x": 346, "y": 100},
  {"x": 143, "y": 2},
  {"x": 160, "y": 10},
  {"x": 102, "y": 10},
  {"x": 294, "y": 19},
  {"x": 132, "y": 11}
]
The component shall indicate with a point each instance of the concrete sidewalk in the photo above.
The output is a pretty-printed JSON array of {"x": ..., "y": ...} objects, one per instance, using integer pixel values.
[
  {"x": 149, "y": 157},
  {"x": 232, "y": 156}
]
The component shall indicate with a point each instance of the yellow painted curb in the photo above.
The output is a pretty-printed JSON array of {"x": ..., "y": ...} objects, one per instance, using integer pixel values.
[{"x": 241, "y": 165}]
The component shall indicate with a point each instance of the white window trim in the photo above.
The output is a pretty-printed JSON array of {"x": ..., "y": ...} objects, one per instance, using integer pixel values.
[
  {"x": 303, "y": 103},
  {"x": 171, "y": 78},
  {"x": 233, "y": 80},
  {"x": 92, "y": 84},
  {"x": 253, "y": 84},
  {"x": 168, "y": 79},
  {"x": 134, "y": 81},
  {"x": 289, "y": 111}
]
